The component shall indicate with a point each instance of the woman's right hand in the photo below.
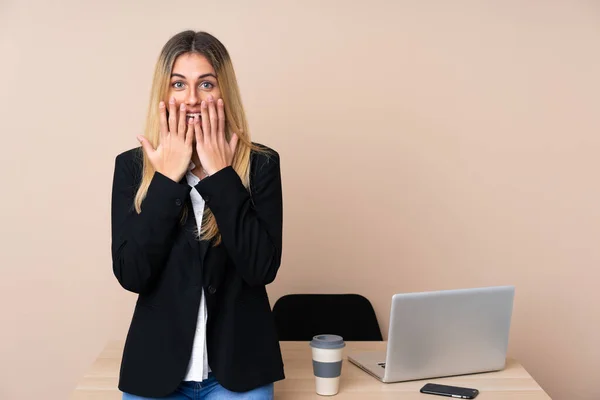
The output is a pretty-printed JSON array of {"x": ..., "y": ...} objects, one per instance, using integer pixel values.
[{"x": 173, "y": 155}]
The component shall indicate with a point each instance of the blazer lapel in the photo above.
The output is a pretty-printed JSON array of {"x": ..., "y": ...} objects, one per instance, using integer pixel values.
[
  {"x": 190, "y": 228},
  {"x": 203, "y": 248},
  {"x": 199, "y": 247}
]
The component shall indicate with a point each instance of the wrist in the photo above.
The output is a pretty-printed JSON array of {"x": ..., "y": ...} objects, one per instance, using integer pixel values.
[
  {"x": 213, "y": 171},
  {"x": 172, "y": 176}
]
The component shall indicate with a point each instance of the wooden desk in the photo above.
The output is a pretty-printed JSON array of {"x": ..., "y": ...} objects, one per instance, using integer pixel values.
[{"x": 100, "y": 382}]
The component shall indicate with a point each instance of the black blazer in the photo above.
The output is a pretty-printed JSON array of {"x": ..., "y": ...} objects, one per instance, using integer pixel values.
[{"x": 159, "y": 257}]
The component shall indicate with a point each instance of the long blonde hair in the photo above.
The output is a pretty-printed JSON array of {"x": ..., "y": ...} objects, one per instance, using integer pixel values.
[{"x": 215, "y": 52}]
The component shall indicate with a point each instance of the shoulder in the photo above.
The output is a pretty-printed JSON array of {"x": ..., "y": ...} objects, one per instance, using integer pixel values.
[
  {"x": 130, "y": 156},
  {"x": 130, "y": 162},
  {"x": 264, "y": 166},
  {"x": 264, "y": 157}
]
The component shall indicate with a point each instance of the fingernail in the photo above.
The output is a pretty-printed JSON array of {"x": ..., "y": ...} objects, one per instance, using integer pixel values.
[
  {"x": 220, "y": 102},
  {"x": 172, "y": 100},
  {"x": 182, "y": 107},
  {"x": 203, "y": 104},
  {"x": 210, "y": 98},
  {"x": 161, "y": 104}
]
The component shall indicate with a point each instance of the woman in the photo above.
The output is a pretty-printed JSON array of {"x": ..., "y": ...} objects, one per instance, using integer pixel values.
[{"x": 197, "y": 232}]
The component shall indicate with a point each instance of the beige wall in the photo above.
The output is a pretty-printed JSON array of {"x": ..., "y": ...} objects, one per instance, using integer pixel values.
[{"x": 425, "y": 145}]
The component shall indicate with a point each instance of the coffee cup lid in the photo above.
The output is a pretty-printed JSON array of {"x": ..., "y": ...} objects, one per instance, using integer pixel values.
[{"x": 327, "y": 342}]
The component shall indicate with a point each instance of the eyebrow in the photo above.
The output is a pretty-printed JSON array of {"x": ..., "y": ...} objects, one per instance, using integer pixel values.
[{"x": 200, "y": 77}]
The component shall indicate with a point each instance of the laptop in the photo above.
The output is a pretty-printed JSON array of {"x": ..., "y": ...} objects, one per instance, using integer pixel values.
[{"x": 443, "y": 333}]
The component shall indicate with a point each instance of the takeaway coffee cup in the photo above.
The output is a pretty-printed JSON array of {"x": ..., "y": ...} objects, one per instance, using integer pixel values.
[{"x": 327, "y": 351}]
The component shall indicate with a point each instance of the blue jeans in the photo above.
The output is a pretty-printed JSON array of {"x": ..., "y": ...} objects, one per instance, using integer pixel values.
[{"x": 210, "y": 389}]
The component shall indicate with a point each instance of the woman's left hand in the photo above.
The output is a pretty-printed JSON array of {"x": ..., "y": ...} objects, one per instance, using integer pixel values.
[{"x": 214, "y": 151}]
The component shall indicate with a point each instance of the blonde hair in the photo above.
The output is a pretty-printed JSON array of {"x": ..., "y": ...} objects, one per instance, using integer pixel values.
[{"x": 215, "y": 52}]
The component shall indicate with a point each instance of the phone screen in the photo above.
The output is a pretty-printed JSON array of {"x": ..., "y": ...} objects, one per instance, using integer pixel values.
[{"x": 450, "y": 391}]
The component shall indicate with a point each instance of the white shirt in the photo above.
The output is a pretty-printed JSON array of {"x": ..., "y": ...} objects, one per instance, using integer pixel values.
[{"x": 198, "y": 367}]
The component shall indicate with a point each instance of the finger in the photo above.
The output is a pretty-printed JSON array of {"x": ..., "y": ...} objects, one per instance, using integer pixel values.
[
  {"x": 205, "y": 122},
  {"x": 212, "y": 114},
  {"x": 198, "y": 130},
  {"x": 189, "y": 135},
  {"x": 221, "y": 121},
  {"x": 172, "y": 116},
  {"x": 182, "y": 121},
  {"x": 233, "y": 143},
  {"x": 164, "y": 127},
  {"x": 148, "y": 149}
]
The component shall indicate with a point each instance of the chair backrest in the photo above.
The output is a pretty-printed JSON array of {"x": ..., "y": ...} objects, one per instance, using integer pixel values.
[{"x": 302, "y": 316}]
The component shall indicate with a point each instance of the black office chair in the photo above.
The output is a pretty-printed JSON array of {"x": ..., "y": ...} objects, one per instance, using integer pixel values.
[{"x": 302, "y": 316}]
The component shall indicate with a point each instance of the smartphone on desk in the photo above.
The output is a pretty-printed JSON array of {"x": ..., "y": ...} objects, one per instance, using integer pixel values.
[{"x": 450, "y": 391}]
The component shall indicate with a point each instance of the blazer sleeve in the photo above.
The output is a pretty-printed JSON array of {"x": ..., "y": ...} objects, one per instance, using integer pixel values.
[
  {"x": 250, "y": 225},
  {"x": 141, "y": 242}
]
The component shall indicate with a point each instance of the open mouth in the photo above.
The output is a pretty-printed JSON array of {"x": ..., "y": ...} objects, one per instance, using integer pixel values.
[{"x": 192, "y": 115}]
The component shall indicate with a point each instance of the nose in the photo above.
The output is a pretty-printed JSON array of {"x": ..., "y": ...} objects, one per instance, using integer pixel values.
[{"x": 192, "y": 98}]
